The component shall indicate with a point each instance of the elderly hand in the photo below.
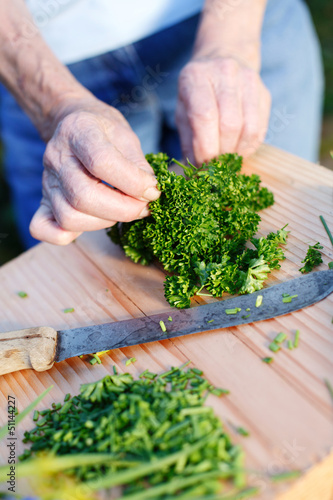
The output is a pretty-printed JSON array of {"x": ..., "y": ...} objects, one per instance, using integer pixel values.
[
  {"x": 92, "y": 149},
  {"x": 223, "y": 107}
]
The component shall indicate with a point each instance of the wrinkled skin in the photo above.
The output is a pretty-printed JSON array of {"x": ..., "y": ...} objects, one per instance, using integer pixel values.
[
  {"x": 223, "y": 107},
  {"x": 88, "y": 149}
]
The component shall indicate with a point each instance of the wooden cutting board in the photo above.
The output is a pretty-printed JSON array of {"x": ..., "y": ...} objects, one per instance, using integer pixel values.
[{"x": 285, "y": 406}]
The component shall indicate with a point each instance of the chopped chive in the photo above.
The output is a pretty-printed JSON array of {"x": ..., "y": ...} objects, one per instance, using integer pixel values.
[
  {"x": 23, "y": 295},
  {"x": 69, "y": 310},
  {"x": 219, "y": 392},
  {"x": 274, "y": 347},
  {"x": 168, "y": 411},
  {"x": 67, "y": 397},
  {"x": 95, "y": 359},
  {"x": 36, "y": 415},
  {"x": 184, "y": 365},
  {"x": 259, "y": 300},
  {"x": 210, "y": 321},
  {"x": 114, "y": 370},
  {"x": 197, "y": 371},
  {"x": 247, "y": 316},
  {"x": 329, "y": 387},
  {"x": 284, "y": 476},
  {"x": 169, "y": 318},
  {"x": 242, "y": 431},
  {"x": 330, "y": 265},
  {"x": 286, "y": 300},
  {"x": 130, "y": 361},
  {"x": 268, "y": 360},
  {"x": 326, "y": 228},
  {"x": 290, "y": 344},
  {"x": 233, "y": 311},
  {"x": 247, "y": 309},
  {"x": 147, "y": 374},
  {"x": 296, "y": 341},
  {"x": 163, "y": 327},
  {"x": 285, "y": 295},
  {"x": 280, "y": 337}
]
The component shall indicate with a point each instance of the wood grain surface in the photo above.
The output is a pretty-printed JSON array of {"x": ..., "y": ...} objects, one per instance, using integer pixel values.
[{"x": 285, "y": 406}]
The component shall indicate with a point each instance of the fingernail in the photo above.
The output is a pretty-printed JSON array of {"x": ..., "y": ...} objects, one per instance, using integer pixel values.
[
  {"x": 151, "y": 194},
  {"x": 145, "y": 212}
]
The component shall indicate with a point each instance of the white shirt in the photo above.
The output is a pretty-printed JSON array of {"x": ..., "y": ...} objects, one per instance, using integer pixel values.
[{"x": 79, "y": 29}]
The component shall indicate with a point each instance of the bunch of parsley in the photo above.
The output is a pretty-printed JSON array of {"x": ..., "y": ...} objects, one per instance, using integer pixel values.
[{"x": 198, "y": 229}]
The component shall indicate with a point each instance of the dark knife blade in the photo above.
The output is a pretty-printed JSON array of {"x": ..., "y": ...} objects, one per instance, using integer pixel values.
[{"x": 309, "y": 289}]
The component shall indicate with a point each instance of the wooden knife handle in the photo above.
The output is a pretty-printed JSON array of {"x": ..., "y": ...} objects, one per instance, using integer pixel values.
[{"x": 31, "y": 348}]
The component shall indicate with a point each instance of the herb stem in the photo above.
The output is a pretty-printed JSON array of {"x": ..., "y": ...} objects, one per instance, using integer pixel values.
[
  {"x": 326, "y": 228},
  {"x": 175, "y": 485}
]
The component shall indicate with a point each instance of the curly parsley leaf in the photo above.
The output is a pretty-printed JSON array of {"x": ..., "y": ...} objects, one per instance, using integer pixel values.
[{"x": 312, "y": 258}]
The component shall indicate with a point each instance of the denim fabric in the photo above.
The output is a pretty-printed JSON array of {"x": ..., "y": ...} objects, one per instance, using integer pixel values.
[{"x": 141, "y": 81}]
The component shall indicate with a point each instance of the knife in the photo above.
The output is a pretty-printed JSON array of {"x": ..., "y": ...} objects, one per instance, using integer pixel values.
[{"x": 40, "y": 347}]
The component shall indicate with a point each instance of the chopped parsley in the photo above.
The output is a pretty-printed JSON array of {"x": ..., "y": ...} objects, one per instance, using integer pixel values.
[{"x": 312, "y": 258}]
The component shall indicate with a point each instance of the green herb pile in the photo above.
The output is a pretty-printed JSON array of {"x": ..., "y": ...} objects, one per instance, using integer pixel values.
[
  {"x": 312, "y": 258},
  {"x": 198, "y": 229},
  {"x": 156, "y": 430}
]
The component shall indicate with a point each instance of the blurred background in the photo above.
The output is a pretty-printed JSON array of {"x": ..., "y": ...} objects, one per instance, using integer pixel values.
[{"x": 322, "y": 13}]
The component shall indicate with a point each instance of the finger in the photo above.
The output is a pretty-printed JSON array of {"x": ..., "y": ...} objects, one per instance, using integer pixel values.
[
  {"x": 264, "y": 113},
  {"x": 88, "y": 195},
  {"x": 67, "y": 217},
  {"x": 185, "y": 132},
  {"x": 249, "y": 140},
  {"x": 44, "y": 227},
  {"x": 229, "y": 98},
  {"x": 128, "y": 173},
  {"x": 199, "y": 104},
  {"x": 133, "y": 153}
]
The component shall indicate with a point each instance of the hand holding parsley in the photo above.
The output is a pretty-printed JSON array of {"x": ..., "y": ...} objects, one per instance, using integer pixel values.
[{"x": 223, "y": 106}]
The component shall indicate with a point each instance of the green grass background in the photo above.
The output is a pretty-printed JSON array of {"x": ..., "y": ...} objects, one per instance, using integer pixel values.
[{"x": 322, "y": 12}]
